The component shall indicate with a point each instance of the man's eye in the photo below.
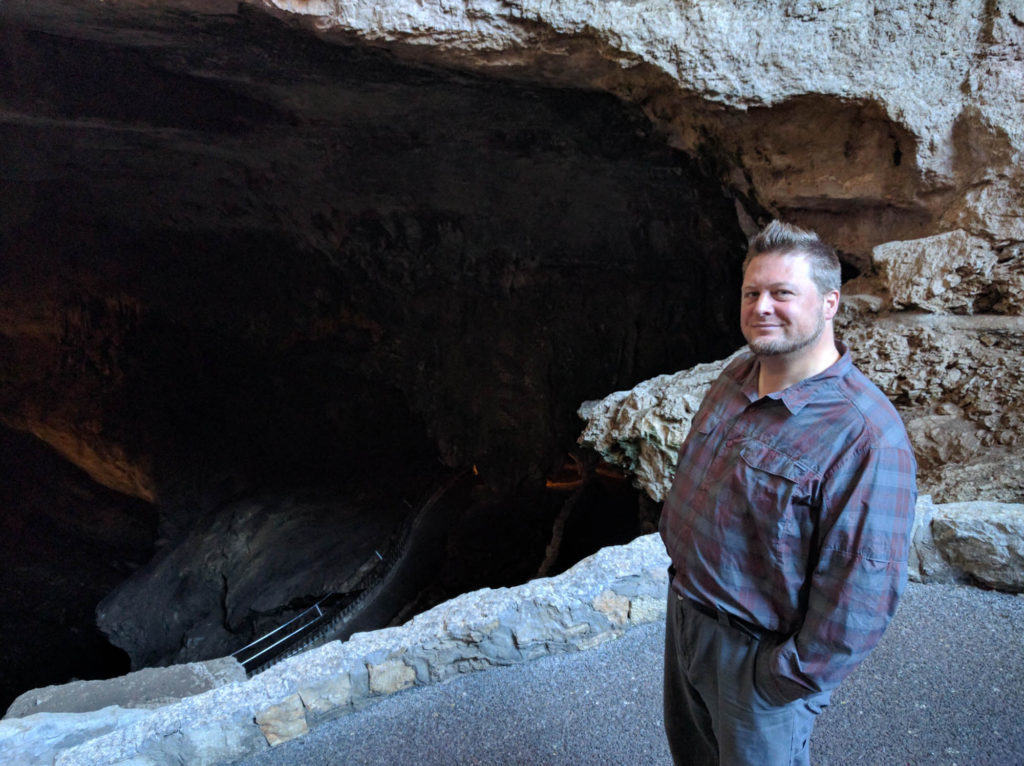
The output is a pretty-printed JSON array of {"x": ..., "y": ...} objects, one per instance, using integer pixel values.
[{"x": 784, "y": 293}]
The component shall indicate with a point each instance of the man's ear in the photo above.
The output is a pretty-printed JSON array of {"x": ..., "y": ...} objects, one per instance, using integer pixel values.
[{"x": 830, "y": 303}]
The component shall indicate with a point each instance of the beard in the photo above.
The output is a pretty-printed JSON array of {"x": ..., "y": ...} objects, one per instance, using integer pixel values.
[{"x": 779, "y": 346}]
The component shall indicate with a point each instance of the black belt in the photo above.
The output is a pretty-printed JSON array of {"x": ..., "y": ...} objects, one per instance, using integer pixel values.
[{"x": 748, "y": 628}]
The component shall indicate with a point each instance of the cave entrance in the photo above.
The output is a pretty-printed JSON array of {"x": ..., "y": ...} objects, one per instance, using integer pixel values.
[{"x": 282, "y": 288}]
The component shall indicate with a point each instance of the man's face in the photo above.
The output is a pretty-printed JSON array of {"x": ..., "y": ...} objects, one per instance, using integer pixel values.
[{"x": 781, "y": 311}]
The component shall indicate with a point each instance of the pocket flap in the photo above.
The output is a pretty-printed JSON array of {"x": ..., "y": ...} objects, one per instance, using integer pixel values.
[
  {"x": 704, "y": 423},
  {"x": 772, "y": 461}
]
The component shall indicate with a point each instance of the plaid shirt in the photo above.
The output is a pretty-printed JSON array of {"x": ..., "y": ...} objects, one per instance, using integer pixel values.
[{"x": 793, "y": 512}]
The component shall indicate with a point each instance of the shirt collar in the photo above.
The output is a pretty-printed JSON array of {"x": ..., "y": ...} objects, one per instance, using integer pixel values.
[{"x": 798, "y": 394}]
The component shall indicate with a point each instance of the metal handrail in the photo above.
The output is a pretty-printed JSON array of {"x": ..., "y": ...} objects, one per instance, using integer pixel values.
[
  {"x": 264, "y": 637},
  {"x": 397, "y": 545},
  {"x": 301, "y": 629}
]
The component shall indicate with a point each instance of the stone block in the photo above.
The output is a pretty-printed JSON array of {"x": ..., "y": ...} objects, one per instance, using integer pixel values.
[
  {"x": 596, "y": 639},
  {"x": 944, "y": 272},
  {"x": 926, "y": 563},
  {"x": 282, "y": 722},
  {"x": 985, "y": 540},
  {"x": 613, "y": 606},
  {"x": 390, "y": 676},
  {"x": 644, "y": 609},
  {"x": 329, "y": 696},
  {"x": 534, "y": 623}
]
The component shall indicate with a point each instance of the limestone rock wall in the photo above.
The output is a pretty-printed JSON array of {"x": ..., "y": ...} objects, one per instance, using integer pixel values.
[
  {"x": 873, "y": 122},
  {"x": 941, "y": 332},
  {"x": 956, "y": 383},
  {"x": 641, "y": 430},
  {"x": 954, "y": 377}
]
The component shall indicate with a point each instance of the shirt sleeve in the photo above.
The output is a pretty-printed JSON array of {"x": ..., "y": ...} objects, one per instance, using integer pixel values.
[{"x": 860, "y": 572}]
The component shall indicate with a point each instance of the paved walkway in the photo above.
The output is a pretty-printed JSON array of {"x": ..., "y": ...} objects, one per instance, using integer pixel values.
[{"x": 945, "y": 686}]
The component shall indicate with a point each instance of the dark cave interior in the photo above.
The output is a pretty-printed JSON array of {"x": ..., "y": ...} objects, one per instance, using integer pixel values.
[{"x": 279, "y": 289}]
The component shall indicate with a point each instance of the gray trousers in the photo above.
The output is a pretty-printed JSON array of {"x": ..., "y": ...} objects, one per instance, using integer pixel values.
[{"x": 714, "y": 713}]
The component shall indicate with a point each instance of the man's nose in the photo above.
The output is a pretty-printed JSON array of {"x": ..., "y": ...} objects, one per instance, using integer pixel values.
[{"x": 763, "y": 304}]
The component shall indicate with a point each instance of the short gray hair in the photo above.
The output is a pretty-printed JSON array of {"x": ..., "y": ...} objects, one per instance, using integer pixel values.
[{"x": 779, "y": 238}]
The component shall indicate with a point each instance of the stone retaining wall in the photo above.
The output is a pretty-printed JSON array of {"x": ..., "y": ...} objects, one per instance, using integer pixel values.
[{"x": 595, "y": 601}]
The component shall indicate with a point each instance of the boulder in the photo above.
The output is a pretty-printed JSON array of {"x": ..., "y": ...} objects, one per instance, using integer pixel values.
[
  {"x": 954, "y": 272},
  {"x": 284, "y": 721},
  {"x": 984, "y": 540},
  {"x": 641, "y": 430},
  {"x": 147, "y": 688},
  {"x": 926, "y": 562},
  {"x": 244, "y": 570}
]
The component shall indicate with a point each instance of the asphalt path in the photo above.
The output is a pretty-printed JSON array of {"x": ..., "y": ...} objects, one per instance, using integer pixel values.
[{"x": 945, "y": 686}]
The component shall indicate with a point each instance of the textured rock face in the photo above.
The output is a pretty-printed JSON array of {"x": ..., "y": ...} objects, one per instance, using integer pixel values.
[
  {"x": 962, "y": 410},
  {"x": 954, "y": 377},
  {"x": 985, "y": 541},
  {"x": 871, "y": 124},
  {"x": 242, "y": 572},
  {"x": 956, "y": 385},
  {"x": 149, "y": 688},
  {"x": 641, "y": 430},
  {"x": 952, "y": 273},
  {"x": 949, "y": 359}
]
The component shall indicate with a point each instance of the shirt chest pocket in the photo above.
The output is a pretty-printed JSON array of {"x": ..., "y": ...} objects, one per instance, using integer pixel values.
[
  {"x": 778, "y": 490},
  {"x": 704, "y": 423}
]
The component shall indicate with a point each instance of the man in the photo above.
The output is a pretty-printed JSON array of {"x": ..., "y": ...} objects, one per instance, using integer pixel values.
[{"x": 788, "y": 524}]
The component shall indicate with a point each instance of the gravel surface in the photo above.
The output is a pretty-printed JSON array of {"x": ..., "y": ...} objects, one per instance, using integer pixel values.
[{"x": 945, "y": 686}]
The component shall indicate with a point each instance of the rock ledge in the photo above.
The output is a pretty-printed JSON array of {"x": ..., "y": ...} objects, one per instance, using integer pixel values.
[{"x": 595, "y": 601}]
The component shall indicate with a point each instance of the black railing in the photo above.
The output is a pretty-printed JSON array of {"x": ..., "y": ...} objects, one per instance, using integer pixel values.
[
  {"x": 280, "y": 639},
  {"x": 336, "y": 615}
]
